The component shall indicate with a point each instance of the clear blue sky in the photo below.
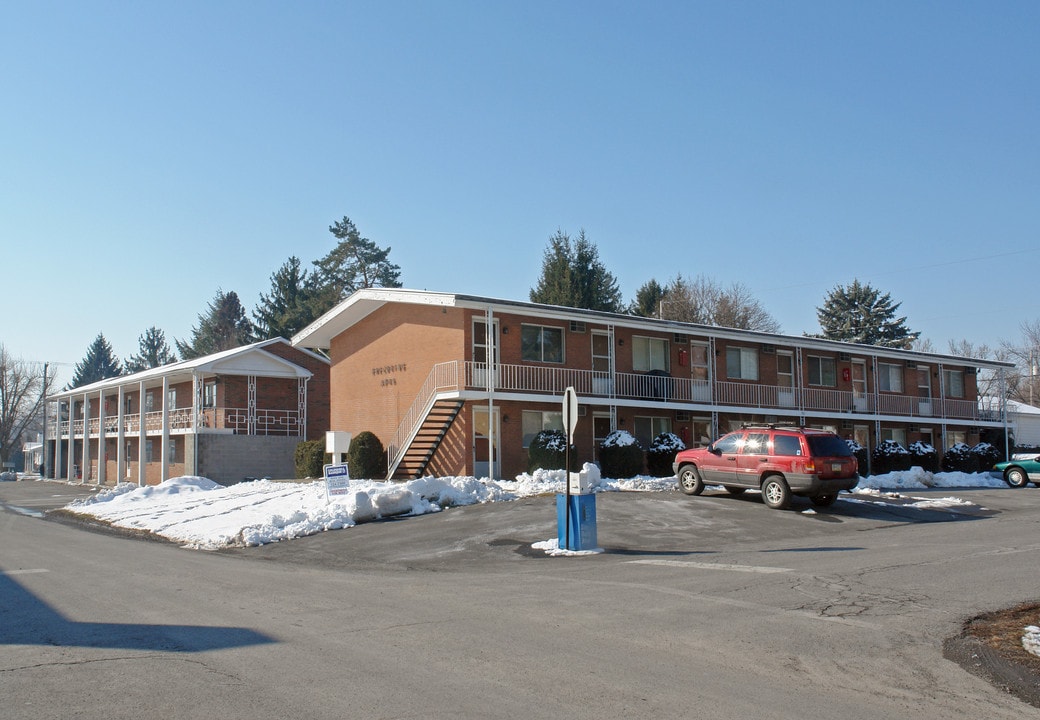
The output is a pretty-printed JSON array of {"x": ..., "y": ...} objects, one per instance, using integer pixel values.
[{"x": 151, "y": 153}]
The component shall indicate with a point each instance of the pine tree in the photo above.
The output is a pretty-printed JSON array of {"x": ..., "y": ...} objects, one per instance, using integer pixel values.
[
  {"x": 290, "y": 305},
  {"x": 574, "y": 276},
  {"x": 859, "y": 313},
  {"x": 355, "y": 263},
  {"x": 100, "y": 363},
  {"x": 153, "y": 352},
  {"x": 224, "y": 326},
  {"x": 647, "y": 302}
]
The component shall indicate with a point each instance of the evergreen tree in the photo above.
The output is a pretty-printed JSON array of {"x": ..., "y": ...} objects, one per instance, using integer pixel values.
[
  {"x": 224, "y": 326},
  {"x": 290, "y": 306},
  {"x": 574, "y": 276},
  {"x": 355, "y": 263},
  {"x": 153, "y": 351},
  {"x": 648, "y": 299},
  {"x": 100, "y": 363},
  {"x": 859, "y": 313}
]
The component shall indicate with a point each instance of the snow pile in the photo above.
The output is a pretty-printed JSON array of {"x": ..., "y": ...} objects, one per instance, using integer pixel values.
[
  {"x": 1031, "y": 640},
  {"x": 201, "y": 514}
]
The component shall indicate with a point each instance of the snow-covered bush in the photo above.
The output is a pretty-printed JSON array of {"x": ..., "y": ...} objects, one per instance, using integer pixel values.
[
  {"x": 548, "y": 451},
  {"x": 924, "y": 456},
  {"x": 889, "y": 456},
  {"x": 620, "y": 456},
  {"x": 861, "y": 454},
  {"x": 958, "y": 459},
  {"x": 986, "y": 456},
  {"x": 662, "y": 452}
]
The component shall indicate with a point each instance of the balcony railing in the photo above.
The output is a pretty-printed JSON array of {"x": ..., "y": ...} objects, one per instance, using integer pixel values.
[
  {"x": 234, "y": 420},
  {"x": 664, "y": 388}
]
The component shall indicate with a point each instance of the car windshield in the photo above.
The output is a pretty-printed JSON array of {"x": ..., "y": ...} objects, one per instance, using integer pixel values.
[{"x": 828, "y": 446}]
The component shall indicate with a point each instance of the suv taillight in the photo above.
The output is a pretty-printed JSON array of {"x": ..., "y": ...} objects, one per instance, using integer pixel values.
[{"x": 810, "y": 466}]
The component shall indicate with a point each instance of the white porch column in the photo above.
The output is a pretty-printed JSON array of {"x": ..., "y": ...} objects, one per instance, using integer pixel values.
[
  {"x": 84, "y": 468},
  {"x": 165, "y": 474},
  {"x": 302, "y": 402},
  {"x": 57, "y": 443},
  {"x": 142, "y": 477},
  {"x": 102, "y": 456},
  {"x": 121, "y": 466},
  {"x": 70, "y": 466}
]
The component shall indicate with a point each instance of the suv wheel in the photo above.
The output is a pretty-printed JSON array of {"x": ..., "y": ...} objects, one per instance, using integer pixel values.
[
  {"x": 690, "y": 481},
  {"x": 1016, "y": 477},
  {"x": 775, "y": 492}
]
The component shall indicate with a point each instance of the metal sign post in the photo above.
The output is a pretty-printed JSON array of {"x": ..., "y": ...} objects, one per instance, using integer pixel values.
[{"x": 570, "y": 419}]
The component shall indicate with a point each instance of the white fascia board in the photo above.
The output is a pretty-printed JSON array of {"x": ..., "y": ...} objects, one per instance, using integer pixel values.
[{"x": 257, "y": 362}]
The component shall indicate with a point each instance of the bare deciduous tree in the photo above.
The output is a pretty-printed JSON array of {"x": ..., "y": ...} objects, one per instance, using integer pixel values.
[
  {"x": 703, "y": 301},
  {"x": 1024, "y": 380},
  {"x": 21, "y": 400}
]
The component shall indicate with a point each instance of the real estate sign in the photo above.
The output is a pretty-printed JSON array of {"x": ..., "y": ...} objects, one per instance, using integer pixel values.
[{"x": 337, "y": 480}]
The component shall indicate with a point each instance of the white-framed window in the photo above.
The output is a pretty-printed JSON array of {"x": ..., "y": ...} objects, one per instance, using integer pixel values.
[
  {"x": 890, "y": 378},
  {"x": 171, "y": 399},
  {"x": 897, "y": 434},
  {"x": 171, "y": 452},
  {"x": 953, "y": 437},
  {"x": 649, "y": 353},
  {"x": 742, "y": 363},
  {"x": 147, "y": 450},
  {"x": 822, "y": 371},
  {"x": 646, "y": 429},
  {"x": 149, "y": 402},
  {"x": 953, "y": 383},
  {"x": 539, "y": 343},
  {"x": 209, "y": 394},
  {"x": 534, "y": 421}
]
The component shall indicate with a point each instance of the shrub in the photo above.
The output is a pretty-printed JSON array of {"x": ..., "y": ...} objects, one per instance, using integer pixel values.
[
  {"x": 959, "y": 459},
  {"x": 310, "y": 459},
  {"x": 889, "y": 456},
  {"x": 620, "y": 456},
  {"x": 861, "y": 455},
  {"x": 924, "y": 456},
  {"x": 661, "y": 455},
  {"x": 986, "y": 456},
  {"x": 548, "y": 451},
  {"x": 366, "y": 457}
]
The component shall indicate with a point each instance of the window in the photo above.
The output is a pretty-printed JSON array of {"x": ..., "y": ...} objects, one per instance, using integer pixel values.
[
  {"x": 647, "y": 428},
  {"x": 149, "y": 402},
  {"x": 897, "y": 434},
  {"x": 953, "y": 382},
  {"x": 534, "y": 421},
  {"x": 147, "y": 450},
  {"x": 171, "y": 399},
  {"x": 756, "y": 444},
  {"x": 541, "y": 344},
  {"x": 171, "y": 453},
  {"x": 890, "y": 378},
  {"x": 788, "y": 445},
  {"x": 956, "y": 437},
  {"x": 730, "y": 443},
  {"x": 742, "y": 363},
  {"x": 649, "y": 354},
  {"x": 209, "y": 394},
  {"x": 822, "y": 371}
]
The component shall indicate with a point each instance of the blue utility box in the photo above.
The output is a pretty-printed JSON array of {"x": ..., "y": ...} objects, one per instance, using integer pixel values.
[{"x": 582, "y": 512}]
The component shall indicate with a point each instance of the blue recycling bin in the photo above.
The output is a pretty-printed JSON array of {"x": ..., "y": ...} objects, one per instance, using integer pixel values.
[{"x": 582, "y": 513}]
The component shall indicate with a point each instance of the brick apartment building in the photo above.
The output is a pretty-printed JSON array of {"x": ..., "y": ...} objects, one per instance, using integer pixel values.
[
  {"x": 227, "y": 416},
  {"x": 459, "y": 385}
]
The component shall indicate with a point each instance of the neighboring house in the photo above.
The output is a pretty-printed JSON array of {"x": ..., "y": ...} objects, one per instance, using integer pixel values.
[
  {"x": 226, "y": 416},
  {"x": 1025, "y": 424},
  {"x": 459, "y": 385}
]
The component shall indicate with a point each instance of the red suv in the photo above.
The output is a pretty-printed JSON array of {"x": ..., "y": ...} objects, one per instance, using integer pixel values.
[{"x": 779, "y": 461}]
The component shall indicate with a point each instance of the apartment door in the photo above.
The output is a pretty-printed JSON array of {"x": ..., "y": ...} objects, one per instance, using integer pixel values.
[
  {"x": 601, "y": 427},
  {"x": 859, "y": 386},
  {"x": 602, "y": 362},
  {"x": 485, "y": 353},
  {"x": 785, "y": 378},
  {"x": 486, "y": 457},
  {"x": 700, "y": 372},
  {"x": 924, "y": 390}
]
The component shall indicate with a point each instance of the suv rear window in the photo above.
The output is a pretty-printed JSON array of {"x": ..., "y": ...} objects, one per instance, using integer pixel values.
[{"x": 828, "y": 446}]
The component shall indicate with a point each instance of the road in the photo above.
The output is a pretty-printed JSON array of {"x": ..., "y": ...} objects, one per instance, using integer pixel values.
[{"x": 712, "y": 606}]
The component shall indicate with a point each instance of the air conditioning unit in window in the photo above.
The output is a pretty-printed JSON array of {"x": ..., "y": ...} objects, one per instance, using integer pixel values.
[
  {"x": 771, "y": 419},
  {"x": 577, "y": 326},
  {"x": 680, "y": 339},
  {"x": 911, "y": 364},
  {"x": 682, "y": 416},
  {"x": 582, "y": 410},
  {"x": 846, "y": 424},
  {"x": 913, "y": 428},
  {"x": 844, "y": 357},
  {"x": 970, "y": 371},
  {"x": 769, "y": 349}
]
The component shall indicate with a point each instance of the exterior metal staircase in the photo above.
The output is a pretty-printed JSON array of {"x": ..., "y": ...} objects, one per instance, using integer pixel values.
[{"x": 420, "y": 450}]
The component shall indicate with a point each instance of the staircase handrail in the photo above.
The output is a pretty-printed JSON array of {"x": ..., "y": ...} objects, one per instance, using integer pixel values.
[{"x": 443, "y": 377}]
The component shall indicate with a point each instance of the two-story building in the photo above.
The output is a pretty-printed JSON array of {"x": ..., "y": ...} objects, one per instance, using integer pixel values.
[
  {"x": 459, "y": 385},
  {"x": 227, "y": 416}
]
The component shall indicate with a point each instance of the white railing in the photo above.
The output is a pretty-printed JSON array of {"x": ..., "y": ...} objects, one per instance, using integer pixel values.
[
  {"x": 443, "y": 377},
  {"x": 237, "y": 420}
]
